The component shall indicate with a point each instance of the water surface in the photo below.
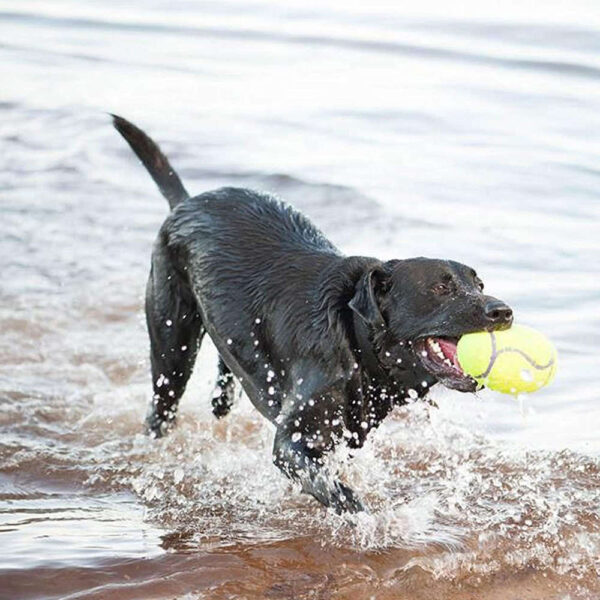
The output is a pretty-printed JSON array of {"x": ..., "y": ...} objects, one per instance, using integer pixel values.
[{"x": 400, "y": 132}]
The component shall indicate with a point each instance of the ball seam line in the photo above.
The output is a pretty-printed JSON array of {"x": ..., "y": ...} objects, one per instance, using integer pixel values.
[
  {"x": 532, "y": 362},
  {"x": 493, "y": 355}
]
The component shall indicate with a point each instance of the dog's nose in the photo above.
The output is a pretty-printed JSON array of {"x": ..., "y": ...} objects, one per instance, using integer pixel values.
[{"x": 498, "y": 312}]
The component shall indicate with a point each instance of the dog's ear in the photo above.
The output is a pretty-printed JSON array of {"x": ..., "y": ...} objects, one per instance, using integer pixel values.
[{"x": 364, "y": 302}]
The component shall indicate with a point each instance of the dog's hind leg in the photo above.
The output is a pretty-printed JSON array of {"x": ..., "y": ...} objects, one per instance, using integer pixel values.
[
  {"x": 223, "y": 396},
  {"x": 176, "y": 331}
]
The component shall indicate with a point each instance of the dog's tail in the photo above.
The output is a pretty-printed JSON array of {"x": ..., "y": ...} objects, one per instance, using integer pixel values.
[{"x": 154, "y": 160}]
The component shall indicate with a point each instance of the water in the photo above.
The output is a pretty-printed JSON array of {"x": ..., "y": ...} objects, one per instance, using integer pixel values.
[{"x": 401, "y": 132}]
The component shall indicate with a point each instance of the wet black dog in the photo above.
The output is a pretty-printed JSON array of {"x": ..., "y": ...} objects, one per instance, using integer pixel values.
[{"x": 323, "y": 344}]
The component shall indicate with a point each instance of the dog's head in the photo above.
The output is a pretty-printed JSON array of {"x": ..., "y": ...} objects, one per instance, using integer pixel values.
[{"x": 418, "y": 309}]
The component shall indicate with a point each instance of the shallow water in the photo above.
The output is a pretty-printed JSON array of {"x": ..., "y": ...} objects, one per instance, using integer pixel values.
[{"x": 401, "y": 132}]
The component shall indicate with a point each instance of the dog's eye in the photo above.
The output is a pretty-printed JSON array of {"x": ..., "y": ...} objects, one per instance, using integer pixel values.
[{"x": 441, "y": 289}]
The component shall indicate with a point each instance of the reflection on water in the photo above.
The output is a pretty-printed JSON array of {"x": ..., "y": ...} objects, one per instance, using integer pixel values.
[
  {"x": 401, "y": 131},
  {"x": 67, "y": 528}
]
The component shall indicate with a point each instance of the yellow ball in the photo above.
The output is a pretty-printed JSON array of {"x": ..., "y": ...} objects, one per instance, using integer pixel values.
[{"x": 516, "y": 360}]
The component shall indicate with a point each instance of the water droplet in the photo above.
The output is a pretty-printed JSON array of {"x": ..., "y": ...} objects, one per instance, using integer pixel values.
[
  {"x": 178, "y": 475},
  {"x": 526, "y": 375}
]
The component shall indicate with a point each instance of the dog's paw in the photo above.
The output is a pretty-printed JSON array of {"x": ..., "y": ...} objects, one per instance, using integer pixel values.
[
  {"x": 332, "y": 494},
  {"x": 157, "y": 427},
  {"x": 223, "y": 398},
  {"x": 344, "y": 500}
]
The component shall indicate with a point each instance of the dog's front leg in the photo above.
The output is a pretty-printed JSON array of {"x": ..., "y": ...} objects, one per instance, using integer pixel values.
[{"x": 300, "y": 446}]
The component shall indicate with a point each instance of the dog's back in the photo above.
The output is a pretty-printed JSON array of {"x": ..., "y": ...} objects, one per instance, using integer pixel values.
[
  {"x": 251, "y": 255},
  {"x": 252, "y": 225}
]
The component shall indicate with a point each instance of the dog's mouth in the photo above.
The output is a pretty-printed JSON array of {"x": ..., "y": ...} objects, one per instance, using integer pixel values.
[{"x": 438, "y": 355}]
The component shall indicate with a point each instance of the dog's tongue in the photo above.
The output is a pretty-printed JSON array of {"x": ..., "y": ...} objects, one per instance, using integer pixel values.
[{"x": 449, "y": 349}]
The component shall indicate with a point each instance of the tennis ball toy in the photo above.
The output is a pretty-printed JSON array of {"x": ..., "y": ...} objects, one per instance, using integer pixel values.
[{"x": 516, "y": 360}]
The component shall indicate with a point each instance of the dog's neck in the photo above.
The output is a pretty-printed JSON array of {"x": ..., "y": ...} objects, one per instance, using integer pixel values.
[
  {"x": 386, "y": 372},
  {"x": 366, "y": 350}
]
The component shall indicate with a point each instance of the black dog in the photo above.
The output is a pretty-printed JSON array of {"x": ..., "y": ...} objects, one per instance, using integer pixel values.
[{"x": 324, "y": 345}]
